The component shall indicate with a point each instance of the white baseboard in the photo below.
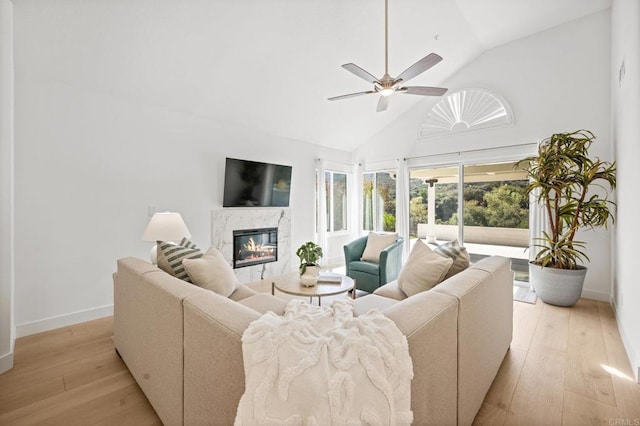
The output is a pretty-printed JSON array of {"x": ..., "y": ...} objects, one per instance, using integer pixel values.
[
  {"x": 633, "y": 360},
  {"x": 6, "y": 362},
  {"x": 63, "y": 320},
  {"x": 596, "y": 295}
]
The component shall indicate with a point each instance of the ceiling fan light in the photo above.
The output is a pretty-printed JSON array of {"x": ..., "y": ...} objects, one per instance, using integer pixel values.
[{"x": 386, "y": 92}]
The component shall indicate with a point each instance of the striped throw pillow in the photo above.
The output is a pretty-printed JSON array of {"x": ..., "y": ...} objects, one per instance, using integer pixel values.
[
  {"x": 170, "y": 257},
  {"x": 188, "y": 244},
  {"x": 454, "y": 251}
]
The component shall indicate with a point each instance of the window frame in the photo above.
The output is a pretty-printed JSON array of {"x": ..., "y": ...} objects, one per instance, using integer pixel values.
[
  {"x": 328, "y": 180},
  {"x": 374, "y": 199}
]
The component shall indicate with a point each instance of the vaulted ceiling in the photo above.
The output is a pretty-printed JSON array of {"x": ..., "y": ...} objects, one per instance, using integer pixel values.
[{"x": 269, "y": 64}]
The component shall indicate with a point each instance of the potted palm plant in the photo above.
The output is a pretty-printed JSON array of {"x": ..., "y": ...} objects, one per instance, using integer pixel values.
[
  {"x": 562, "y": 177},
  {"x": 309, "y": 254}
]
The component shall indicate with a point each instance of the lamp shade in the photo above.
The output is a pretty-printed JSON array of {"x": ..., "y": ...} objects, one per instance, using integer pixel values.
[{"x": 166, "y": 226}]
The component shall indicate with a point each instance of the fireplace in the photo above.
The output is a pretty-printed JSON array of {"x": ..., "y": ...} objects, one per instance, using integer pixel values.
[{"x": 254, "y": 247}]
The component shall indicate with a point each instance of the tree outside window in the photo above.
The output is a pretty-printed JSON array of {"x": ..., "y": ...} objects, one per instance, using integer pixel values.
[
  {"x": 379, "y": 201},
  {"x": 336, "y": 201}
]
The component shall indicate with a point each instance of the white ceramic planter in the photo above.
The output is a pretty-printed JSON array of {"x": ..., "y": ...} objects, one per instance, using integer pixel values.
[
  {"x": 560, "y": 287},
  {"x": 310, "y": 276}
]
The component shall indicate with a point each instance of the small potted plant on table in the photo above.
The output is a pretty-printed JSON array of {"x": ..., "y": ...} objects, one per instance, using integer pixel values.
[
  {"x": 309, "y": 254},
  {"x": 561, "y": 176}
]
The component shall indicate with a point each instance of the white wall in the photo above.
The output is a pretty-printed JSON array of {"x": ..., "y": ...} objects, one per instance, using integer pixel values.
[
  {"x": 555, "y": 81},
  {"x": 89, "y": 165},
  {"x": 6, "y": 185},
  {"x": 626, "y": 132}
]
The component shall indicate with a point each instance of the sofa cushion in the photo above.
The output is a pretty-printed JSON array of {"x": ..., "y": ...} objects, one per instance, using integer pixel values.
[
  {"x": 212, "y": 272},
  {"x": 367, "y": 267},
  {"x": 170, "y": 257},
  {"x": 375, "y": 244},
  {"x": 391, "y": 290},
  {"x": 423, "y": 270},
  {"x": 242, "y": 292},
  {"x": 457, "y": 253},
  {"x": 364, "y": 304},
  {"x": 264, "y": 303}
]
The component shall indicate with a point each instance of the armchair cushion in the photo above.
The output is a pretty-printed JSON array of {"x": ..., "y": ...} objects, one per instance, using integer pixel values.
[
  {"x": 367, "y": 267},
  {"x": 375, "y": 244}
]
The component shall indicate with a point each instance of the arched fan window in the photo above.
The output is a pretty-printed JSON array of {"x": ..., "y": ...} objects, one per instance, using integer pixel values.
[{"x": 465, "y": 110}]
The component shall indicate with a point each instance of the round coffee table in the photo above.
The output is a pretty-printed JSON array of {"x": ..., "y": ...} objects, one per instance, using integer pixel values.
[{"x": 290, "y": 284}]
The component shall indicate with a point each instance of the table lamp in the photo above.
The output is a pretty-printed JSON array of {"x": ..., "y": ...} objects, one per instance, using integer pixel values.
[{"x": 165, "y": 226}]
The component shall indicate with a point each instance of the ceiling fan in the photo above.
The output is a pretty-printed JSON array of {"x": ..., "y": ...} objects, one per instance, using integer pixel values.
[{"x": 388, "y": 85}]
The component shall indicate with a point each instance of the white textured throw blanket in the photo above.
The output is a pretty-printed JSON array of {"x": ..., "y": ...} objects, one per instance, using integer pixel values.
[{"x": 323, "y": 366}]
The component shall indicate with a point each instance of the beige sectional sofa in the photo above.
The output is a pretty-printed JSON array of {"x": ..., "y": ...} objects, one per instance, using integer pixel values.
[{"x": 183, "y": 343}]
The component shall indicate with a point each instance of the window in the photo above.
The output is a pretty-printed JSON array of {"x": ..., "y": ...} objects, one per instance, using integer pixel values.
[
  {"x": 466, "y": 110},
  {"x": 336, "y": 201},
  {"x": 379, "y": 201}
]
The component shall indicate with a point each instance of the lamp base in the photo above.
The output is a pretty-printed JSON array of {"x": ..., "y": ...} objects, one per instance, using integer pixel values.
[{"x": 153, "y": 255}]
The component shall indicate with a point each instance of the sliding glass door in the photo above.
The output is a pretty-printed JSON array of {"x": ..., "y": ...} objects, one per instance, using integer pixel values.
[
  {"x": 496, "y": 214},
  {"x": 482, "y": 204},
  {"x": 433, "y": 205}
]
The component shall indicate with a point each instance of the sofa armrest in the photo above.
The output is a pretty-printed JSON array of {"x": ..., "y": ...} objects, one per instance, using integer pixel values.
[
  {"x": 148, "y": 332},
  {"x": 485, "y": 325},
  {"x": 429, "y": 321},
  {"x": 213, "y": 364}
]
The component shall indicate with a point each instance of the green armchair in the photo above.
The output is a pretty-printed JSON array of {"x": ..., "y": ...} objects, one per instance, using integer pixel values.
[{"x": 368, "y": 275}]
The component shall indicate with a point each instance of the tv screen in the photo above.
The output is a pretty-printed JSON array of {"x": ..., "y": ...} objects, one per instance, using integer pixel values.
[{"x": 255, "y": 184}]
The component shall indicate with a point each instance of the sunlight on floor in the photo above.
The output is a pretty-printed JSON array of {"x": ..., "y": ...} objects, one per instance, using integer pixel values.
[{"x": 616, "y": 372}]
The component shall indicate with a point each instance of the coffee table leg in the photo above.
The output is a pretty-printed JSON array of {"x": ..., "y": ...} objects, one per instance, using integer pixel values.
[
  {"x": 353, "y": 290},
  {"x": 273, "y": 288}
]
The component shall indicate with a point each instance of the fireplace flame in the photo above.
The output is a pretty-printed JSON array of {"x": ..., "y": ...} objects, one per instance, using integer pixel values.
[
  {"x": 251, "y": 245},
  {"x": 252, "y": 250}
]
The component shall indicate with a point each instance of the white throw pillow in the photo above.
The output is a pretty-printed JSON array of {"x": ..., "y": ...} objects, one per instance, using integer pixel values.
[
  {"x": 375, "y": 244},
  {"x": 424, "y": 270},
  {"x": 212, "y": 272}
]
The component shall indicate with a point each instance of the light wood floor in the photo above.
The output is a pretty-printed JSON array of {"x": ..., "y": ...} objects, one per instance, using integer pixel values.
[{"x": 566, "y": 366}]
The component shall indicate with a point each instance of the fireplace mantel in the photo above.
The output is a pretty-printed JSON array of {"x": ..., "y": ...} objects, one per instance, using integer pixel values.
[{"x": 225, "y": 221}]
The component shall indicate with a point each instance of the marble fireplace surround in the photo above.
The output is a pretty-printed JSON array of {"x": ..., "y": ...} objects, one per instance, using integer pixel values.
[{"x": 224, "y": 221}]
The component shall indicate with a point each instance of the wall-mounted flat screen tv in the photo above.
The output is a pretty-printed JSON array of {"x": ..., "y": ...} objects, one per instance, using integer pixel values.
[{"x": 255, "y": 184}]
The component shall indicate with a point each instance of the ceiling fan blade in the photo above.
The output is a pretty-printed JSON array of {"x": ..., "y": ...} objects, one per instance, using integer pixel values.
[
  {"x": 423, "y": 90},
  {"x": 383, "y": 104},
  {"x": 353, "y": 68},
  {"x": 418, "y": 68},
  {"x": 351, "y": 95}
]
